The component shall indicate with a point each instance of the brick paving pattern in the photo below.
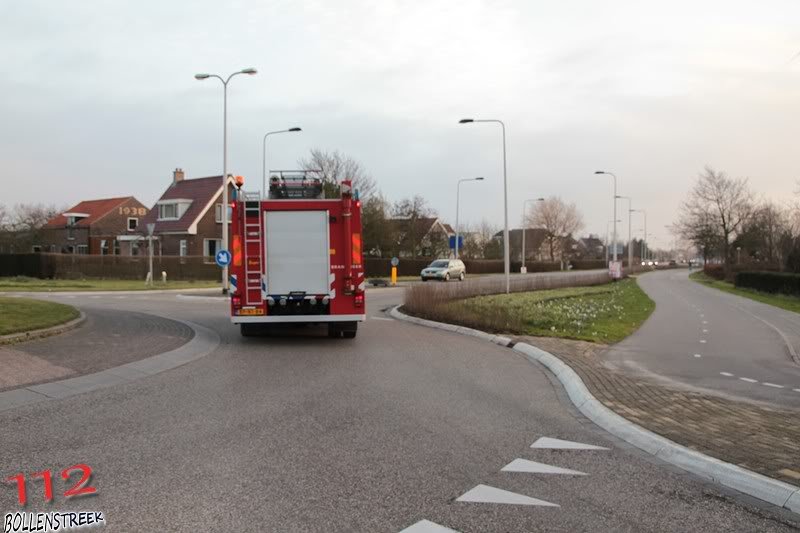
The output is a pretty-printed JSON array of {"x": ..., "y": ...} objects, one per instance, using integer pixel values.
[{"x": 757, "y": 438}]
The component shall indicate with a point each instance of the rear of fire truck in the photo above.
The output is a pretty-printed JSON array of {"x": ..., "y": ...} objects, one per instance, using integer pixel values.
[{"x": 296, "y": 257}]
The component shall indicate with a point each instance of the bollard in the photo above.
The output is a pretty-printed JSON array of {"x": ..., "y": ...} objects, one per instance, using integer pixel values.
[{"x": 394, "y": 276}]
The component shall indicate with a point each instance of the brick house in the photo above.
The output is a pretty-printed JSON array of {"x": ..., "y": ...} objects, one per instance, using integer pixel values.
[
  {"x": 188, "y": 216},
  {"x": 108, "y": 226}
]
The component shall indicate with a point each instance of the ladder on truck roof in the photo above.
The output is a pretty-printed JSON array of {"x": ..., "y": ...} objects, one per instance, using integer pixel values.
[{"x": 253, "y": 248}]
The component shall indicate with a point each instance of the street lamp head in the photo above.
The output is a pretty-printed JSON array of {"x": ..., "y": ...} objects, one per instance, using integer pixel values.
[
  {"x": 599, "y": 172},
  {"x": 250, "y": 71},
  {"x": 479, "y": 179},
  {"x": 295, "y": 129},
  {"x": 202, "y": 76},
  {"x": 466, "y": 120},
  {"x": 540, "y": 199}
]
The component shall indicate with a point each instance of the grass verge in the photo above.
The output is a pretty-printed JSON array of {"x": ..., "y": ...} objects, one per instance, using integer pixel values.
[
  {"x": 600, "y": 313},
  {"x": 21, "y": 283},
  {"x": 23, "y": 314},
  {"x": 790, "y": 303}
]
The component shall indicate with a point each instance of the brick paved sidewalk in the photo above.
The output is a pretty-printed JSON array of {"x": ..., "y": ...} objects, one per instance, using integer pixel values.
[
  {"x": 107, "y": 339},
  {"x": 760, "y": 439}
]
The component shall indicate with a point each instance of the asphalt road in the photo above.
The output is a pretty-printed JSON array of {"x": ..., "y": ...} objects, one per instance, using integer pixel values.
[
  {"x": 307, "y": 433},
  {"x": 710, "y": 340}
]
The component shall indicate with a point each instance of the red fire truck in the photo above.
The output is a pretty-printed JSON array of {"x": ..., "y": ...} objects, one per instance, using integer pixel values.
[{"x": 296, "y": 256}]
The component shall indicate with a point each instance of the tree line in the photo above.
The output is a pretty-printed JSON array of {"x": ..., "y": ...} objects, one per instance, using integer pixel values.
[{"x": 727, "y": 222}]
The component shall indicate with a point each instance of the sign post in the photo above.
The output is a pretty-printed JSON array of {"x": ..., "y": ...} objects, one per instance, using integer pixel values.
[
  {"x": 395, "y": 262},
  {"x": 150, "y": 228}
]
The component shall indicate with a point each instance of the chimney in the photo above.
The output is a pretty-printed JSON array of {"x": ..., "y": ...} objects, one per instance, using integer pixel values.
[{"x": 177, "y": 175}]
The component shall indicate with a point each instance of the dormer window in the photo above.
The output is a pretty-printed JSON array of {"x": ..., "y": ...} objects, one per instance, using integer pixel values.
[
  {"x": 172, "y": 209},
  {"x": 74, "y": 218}
]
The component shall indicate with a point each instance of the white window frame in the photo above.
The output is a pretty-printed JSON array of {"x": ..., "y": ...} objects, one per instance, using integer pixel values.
[
  {"x": 218, "y": 213},
  {"x": 183, "y": 247},
  {"x": 162, "y": 207},
  {"x": 136, "y": 223},
  {"x": 206, "y": 252},
  {"x": 82, "y": 249}
]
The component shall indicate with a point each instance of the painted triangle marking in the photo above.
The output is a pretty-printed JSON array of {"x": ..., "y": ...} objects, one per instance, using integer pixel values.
[
  {"x": 532, "y": 467},
  {"x": 426, "y": 526},
  {"x": 487, "y": 494},
  {"x": 558, "y": 444}
]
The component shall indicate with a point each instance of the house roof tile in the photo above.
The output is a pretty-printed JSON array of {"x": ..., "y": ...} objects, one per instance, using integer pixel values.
[
  {"x": 95, "y": 209},
  {"x": 199, "y": 190}
]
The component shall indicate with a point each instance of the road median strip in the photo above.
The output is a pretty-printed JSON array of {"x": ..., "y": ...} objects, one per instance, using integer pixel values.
[{"x": 729, "y": 475}]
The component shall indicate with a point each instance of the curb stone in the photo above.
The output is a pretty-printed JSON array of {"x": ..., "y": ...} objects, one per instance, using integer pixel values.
[
  {"x": 202, "y": 343},
  {"x": 44, "y": 332},
  {"x": 729, "y": 475}
]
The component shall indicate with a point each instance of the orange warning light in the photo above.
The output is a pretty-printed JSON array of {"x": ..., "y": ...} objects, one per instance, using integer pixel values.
[{"x": 239, "y": 181}]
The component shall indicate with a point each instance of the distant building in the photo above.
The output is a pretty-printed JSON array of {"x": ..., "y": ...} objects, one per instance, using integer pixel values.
[
  {"x": 421, "y": 237},
  {"x": 591, "y": 247},
  {"x": 188, "y": 217},
  {"x": 99, "y": 227}
]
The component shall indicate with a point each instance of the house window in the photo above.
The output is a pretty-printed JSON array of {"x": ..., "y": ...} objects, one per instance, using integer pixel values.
[
  {"x": 70, "y": 233},
  {"x": 82, "y": 249},
  {"x": 211, "y": 247},
  {"x": 133, "y": 223},
  {"x": 116, "y": 247},
  {"x": 103, "y": 247},
  {"x": 134, "y": 248},
  {"x": 183, "y": 247},
  {"x": 218, "y": 213},
  {"x": 168, "y": 212},
  {"x": 36, "y": 248}
]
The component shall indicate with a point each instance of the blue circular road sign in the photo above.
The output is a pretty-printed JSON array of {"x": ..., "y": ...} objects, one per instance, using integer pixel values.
[{"x": 223, "y": 258}]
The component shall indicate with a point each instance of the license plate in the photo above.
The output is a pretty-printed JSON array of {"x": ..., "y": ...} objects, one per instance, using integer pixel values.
[{"x": 246, "y": 312}]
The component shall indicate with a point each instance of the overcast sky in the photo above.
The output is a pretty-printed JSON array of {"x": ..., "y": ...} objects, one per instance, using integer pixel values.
[{"x": 98, "y": 98}]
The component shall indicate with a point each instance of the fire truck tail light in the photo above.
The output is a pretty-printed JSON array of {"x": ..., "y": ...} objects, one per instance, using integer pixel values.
[
  {"x": 236, "y": 301},
  {"x": 359, "y": 300}
]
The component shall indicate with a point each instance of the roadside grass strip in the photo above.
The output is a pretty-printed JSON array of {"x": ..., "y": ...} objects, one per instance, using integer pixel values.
[
  {"x": 26, "y": 284},
  {"x": 601, "y": 313},
  {"x": 789, "y": 303},
  {"x": 18, "y": 315}
]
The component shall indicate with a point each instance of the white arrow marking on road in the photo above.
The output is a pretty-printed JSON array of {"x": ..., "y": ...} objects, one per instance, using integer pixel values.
[
  {"x": 749, "y": 380},
  {"x": 558, "y": 444},
  {"x": 532, "y": 467},
  {"x": 426, "y": 526},
  {"x": 728, "y": 374},
  {"x": 772, "y": 385},
  {"x": 487, "y": 494}
]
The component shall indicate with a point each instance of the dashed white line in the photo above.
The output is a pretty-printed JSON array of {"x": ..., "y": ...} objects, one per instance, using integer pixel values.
[
  {"x": 426, "y": 526},
  {"x": 774, "y": 385},
  {"x": 727, "y": 374},
  {"x": 550, "y": 443},
  {"x": 705, "y": 331},
  {"x": 698, "y": 355},
  {"x": 796, "y": 390},
  {"x": 381, "y": 318},
  {"x": 702, "y": 341},
  {"x": 488, "y": 494},
  {"x": 749, "y": 380}
]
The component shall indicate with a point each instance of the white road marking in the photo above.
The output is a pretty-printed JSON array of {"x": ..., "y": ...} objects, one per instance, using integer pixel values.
[
  {"x": 702, "y": 341},
  {"x": 95, "y": 297},
  {"x": 558, "y": 444},
  {"x": 796, "y": 390},
  {"x": 774, "y": 385},
  {"x": 381, "y": 318},
  {"x": 705, "y": 322},
  {"x": 749, "y": 380},
  {"x": 705, "y": 331},
  {"x": 698, "y": 355},
  {"x": 728, "y": 374},
  {"x": 426, "y": 526},
  {"x": 487, "y": 494},
  {"x": 532, "y": 467}
]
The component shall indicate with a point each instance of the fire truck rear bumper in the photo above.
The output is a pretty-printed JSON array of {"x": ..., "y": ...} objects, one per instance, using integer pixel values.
[{"x": 298, "y": 318}]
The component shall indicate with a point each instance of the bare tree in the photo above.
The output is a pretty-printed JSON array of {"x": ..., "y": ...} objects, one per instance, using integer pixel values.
[
  {"x": 407, "y": 229},
  {"x": 716, "y": 211},
  {"x": 333, "y": 167},
  {"x": 558, "y": 219},
  {"x": 5, "y": 219}
]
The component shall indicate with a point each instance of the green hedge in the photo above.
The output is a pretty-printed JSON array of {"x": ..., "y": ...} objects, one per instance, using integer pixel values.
[{"x": 772, "y": 282}]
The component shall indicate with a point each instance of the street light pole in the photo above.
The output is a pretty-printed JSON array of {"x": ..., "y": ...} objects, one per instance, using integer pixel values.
[
  {"x": 458, "y": 194},
  {"x": 644, "y": 241},
  {"x": 608, "y": 224},
  {"x": 251, "y": 72},
  {"x": 630, "y": 241},
  {"x": 506, "y": 248},
  {"x": 264, "y": 158},
  {"x": 523, "y": 269},
  {"x": 615, "y": 208}
]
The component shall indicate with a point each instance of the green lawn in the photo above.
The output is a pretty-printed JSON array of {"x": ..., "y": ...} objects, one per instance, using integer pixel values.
[
  {"x": 22, "y": 314},
  {"x": 602, "y": 313},
  {"x": 790, "y": 303},
  {"x": 44, "y": 285}
]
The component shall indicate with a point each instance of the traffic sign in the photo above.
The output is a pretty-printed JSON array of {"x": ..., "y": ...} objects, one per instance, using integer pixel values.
[
  {"x": 223, "y": 258},
  {"x": 395, "y": 261},
  {"x": 452, "y": 242}
]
